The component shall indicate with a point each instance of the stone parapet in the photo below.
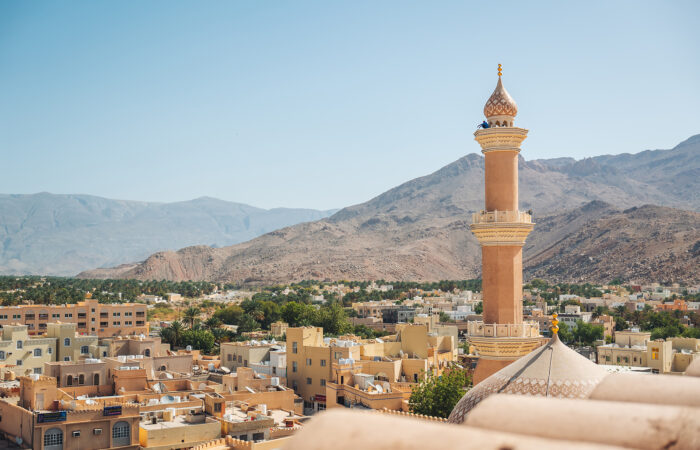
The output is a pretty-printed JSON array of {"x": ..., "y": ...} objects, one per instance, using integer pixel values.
[
  {"x": 525, "y": 329},
  {"x": 501, "y": 217},
  {"x": 502, "y": 233},
  {"x": 500, "y": 139}
]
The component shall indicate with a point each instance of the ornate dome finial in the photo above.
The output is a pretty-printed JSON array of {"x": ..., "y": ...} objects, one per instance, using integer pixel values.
[
  {"x": 555, "y": 322},
  {"x": 500, "y": 108}
]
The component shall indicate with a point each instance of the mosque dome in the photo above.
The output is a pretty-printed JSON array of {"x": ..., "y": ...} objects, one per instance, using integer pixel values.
[
  {"x": 500, "y": 103},
  {"x": 553, "y": 370}
]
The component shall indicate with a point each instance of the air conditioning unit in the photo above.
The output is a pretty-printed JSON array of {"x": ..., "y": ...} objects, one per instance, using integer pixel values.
[
  {"x": 76, "y": 433},
  {"x": 97, "y": 431}
]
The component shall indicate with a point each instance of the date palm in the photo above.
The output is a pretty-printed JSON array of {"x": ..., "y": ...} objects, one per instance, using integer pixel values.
[{"x": 191, "y": 314}]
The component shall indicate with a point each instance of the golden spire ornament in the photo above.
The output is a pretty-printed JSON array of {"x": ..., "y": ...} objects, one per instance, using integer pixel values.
[
  {"x": 499, "y": 70},
  {"x": 555, "y": 322}
]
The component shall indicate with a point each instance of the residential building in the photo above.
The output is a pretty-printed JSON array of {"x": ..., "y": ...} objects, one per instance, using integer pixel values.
[
  {"x": 245, "y": 354},
  {"x": 90, "y": 317}
]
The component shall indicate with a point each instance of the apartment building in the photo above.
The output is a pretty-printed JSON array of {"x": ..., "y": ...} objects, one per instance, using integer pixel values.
[
  {"x": 90, "y": 317},
  {"x": 22, "y": 354},
  {"x": 318, "y": 367},
  {"x": 634, "y": 348},
  {"x": 245, "y": 354}
]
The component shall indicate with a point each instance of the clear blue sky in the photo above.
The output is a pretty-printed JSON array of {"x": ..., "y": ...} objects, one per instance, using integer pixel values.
[{"x": 324, "y": 104}]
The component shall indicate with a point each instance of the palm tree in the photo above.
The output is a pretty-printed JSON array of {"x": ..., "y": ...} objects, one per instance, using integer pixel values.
[
  {"x": 191, "y": 314},
  {"x": 212, "y": 323},
  {"x": 176, "y": 330}
]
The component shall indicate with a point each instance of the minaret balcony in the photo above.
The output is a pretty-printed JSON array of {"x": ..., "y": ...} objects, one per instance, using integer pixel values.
[
  {"x": 502, "y": 227},
  {"x": 502, "y": 217},
  {"x": 516, "y": 330},
  {"x": 500, "y": 138}
]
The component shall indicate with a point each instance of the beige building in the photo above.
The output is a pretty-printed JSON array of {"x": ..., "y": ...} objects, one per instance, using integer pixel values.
[
  {"x": 41, "y": 421},
  {"x": 318, "y": 368},
  {"x": 278, "y": 328},
  {"x": 22, "y": 354},
  {"x": 90, "y": 317},
  {"x": 634, "y": 348},
  {"x": 245, "y": 354}
]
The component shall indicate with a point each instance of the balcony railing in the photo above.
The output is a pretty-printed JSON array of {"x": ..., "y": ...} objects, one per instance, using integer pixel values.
[
  {"x": 502, "y": 217},
  {"x": 481, "y": 329}
]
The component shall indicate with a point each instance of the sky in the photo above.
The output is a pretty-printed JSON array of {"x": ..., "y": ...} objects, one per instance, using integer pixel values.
[{"x": 324, "y": 104}]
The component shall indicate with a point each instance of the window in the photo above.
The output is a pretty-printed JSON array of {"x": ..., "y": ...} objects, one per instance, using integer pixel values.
[
  {"x": 655, "y": 354},
  {"x": 37, "y": 370},
  {"x": 217, "y": 407},
  {"x": 53, "y": 438},
  {"x": 323, "y": 363},
  {"x": 294, "y": 347},
  {"x": 81, "y": 379},
  {"x": 337, "y": 355},
  {"x": 308, "y": 361},
  {"x": 147, "y": 352},
  {"x": 294, "y": 366},
  {"x": 19, "y": 362},
  {"x": 240, "y": 359},
  {"x": 116, "y": 324},
  {"x": 229, "y": 357},
  {"x": 121, "y": 434},
  {"x": 96, "y": 379},
  {"x": 2, "y": 354},
  {"x": 294, "y": 385},
  {"x": 66, "y": 342},
  {"x": 308, "y": 381},
  {"x": 37, "y": 352},
  {"x": 323, "y": 382},
  {"x": 3, "y": 316},
  {"x": 69, "y": 380},
  {"x": 128, "y": 322},
  {"x": 68, "y": 315},
  {"x": 139, "y": 323},
  {"x": 16, "y": 316},
  {"x": 20, "y": 345},
  {"x": 116, "y": 314},
  {"x": 84, "y": 350},
  {"x": 55, "y": 316},
  {"x": 66, "y": 358},
  {"x": 49, "y": 351}
]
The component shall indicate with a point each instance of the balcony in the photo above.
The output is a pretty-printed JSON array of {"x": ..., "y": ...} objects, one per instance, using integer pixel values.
[
  {"x": 501, "y": 217},
  {"x": 516, "y": 330}
]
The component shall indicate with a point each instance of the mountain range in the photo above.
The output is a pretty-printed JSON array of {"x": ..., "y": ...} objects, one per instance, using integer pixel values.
[
  {"x": 64, "y": 234},
  {"x": 628, "y": 215}
]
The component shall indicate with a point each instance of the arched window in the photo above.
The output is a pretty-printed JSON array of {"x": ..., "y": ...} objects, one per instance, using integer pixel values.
[
  {"x": 121, "y": 434},
  {"x": 37, "y": 352},
  {"x": 96, "y": 379},
  {"x": 2, "y": 354},
  {"x": 84, "y": 350},
  {"x": 69, "y": 380},
  {"x": 53, "y": 439},
  {"x": 147, "y": 352},
  {"x": 81, "y": 379},
  {"x": 163, "y": 368},
  {"x": 66, "y": 342}
]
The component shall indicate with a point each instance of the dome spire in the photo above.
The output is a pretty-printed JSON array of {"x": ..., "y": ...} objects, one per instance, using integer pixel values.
[
  {"x": 500, "y": 108},
  {"x": 555, "y": 322}
]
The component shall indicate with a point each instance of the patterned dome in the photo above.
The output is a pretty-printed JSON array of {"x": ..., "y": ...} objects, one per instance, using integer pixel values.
[
  {"x": 500, "y": 103},
  {"x": 553, "y": 370}
]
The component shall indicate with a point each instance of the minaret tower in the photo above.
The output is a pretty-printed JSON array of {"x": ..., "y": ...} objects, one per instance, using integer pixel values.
[{"x": 501, "y": 229}]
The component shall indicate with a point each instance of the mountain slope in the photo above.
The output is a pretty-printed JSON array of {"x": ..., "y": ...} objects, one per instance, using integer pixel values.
[
  {"x": 419, "y": 230},
  {"x": 64, "y": 234}
]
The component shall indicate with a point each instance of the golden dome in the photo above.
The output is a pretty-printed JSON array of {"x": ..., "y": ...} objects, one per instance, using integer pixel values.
[
  {"x": 553, "y": 370},
  {"x": 500, "y": 103}
]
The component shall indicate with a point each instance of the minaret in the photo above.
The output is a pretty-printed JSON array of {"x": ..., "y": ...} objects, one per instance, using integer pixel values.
[{"x": 501, "y": 229}]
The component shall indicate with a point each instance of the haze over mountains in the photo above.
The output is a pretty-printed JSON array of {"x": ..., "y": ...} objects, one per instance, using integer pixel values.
[
  {"x": 591, "y": 226},
  {"x": 64, "y": 234}
]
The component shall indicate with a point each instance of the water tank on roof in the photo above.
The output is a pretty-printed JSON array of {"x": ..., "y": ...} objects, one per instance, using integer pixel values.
[
  {"x": 274, "y": 381},
  {"x": 188, "y": 348}
]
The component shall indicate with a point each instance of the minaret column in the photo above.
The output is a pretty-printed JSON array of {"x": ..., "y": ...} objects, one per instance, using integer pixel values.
[{"x": 501, "y": 229}]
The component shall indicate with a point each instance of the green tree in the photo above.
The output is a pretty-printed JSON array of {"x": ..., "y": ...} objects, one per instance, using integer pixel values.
[
  {"x": 479, "y": 308},
  {"x": 444, "y": 317},
  {"x": 437, "y": 395},
  {"x": 565, "y": 333},
  {"x": 199, "y": 340},
  {"x": 586, "y": 333},
  {"x": 191, "y": 314}
]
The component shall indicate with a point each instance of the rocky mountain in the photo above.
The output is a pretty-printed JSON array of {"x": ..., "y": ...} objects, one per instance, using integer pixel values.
[
  {"x": 64, "y": 234},
  {"x": 419, "y": 230}
]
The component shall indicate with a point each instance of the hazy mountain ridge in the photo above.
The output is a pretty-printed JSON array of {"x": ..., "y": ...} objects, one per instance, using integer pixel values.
[
  {"x": 64, "y": 234},
  {"x": 419, "y": 230}
]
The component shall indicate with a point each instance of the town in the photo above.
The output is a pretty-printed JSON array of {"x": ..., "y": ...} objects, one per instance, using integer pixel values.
[{"x": 246, "y": 368}]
